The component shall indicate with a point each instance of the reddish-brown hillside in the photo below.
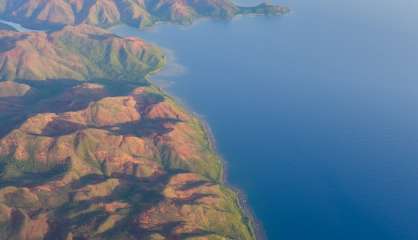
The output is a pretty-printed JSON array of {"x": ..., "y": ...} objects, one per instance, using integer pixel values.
[
  {"x": 138, "y": 13},
  {"x": 75, "y": 53},
  {"x": 91, "y": 150}
]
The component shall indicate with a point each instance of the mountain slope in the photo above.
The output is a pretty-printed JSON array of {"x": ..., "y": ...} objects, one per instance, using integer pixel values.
[
  {"x": 89, "y": 153},
  {"x": 75, "y": 53},
  {"x": 138, "y": 13},
  {"x": 121, "y": 167}
]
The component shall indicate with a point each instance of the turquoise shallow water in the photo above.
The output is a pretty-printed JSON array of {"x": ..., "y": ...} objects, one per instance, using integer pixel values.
[{"x": 315, "y": 112}]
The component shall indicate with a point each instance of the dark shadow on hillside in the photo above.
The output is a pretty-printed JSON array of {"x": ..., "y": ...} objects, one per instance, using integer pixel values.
[
  {"x": 146, "y": 101},
  {"x": 8, "y": 43},
  {"x": 120, "y": 87},
  {"x": 59, "y": 128},
  {"x": 30, "y": 178},
  {"x": 82, "y": 15},
  {"x": 88, "y": 180},
  {"x": 56, "y": 96},
  {"x": 139, "y": 194},
  {"x": 195, "y": 184},
  {"x": 15, "y": 110},
  {"x": 142, "y": 128}
]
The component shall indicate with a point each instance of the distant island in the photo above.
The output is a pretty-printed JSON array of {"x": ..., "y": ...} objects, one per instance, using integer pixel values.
[{"x": 89, "y": 147}]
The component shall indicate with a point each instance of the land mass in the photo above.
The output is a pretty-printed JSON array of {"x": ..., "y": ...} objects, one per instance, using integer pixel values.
[
  {"x": 137, "y": 13},
  {"x": 89, "y": 147},
  {"x": 82, "y": 52},
  {"x": 87, "y": 160}
]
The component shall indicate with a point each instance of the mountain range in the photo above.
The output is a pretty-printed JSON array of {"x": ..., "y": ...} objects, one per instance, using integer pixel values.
[
  {"x": 90, "y": 148},
  {"x": 138, "y": 13}
]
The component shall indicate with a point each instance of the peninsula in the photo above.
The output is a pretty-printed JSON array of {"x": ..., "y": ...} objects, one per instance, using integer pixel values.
[{"x": 89, "y": 147}]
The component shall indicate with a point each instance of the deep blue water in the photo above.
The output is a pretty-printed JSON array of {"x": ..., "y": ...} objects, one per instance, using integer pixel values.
[{"x": 316, "y": 113}]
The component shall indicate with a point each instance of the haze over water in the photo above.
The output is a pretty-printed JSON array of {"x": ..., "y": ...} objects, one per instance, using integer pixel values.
[{"x": 316, "y": 113}]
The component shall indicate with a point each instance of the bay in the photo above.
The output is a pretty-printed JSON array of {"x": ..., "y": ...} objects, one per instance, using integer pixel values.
[{"x": 315, "y": 112}]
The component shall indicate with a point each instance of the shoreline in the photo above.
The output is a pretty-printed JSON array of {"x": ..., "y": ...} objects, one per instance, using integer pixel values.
[{"x": 255, "y": 225}]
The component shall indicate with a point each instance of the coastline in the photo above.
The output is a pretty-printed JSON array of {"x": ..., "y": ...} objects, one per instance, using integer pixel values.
[{"x": 255, "y": 225}]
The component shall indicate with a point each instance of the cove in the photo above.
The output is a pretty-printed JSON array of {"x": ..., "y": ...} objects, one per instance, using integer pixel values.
[{"x": 315, "y": 112}]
